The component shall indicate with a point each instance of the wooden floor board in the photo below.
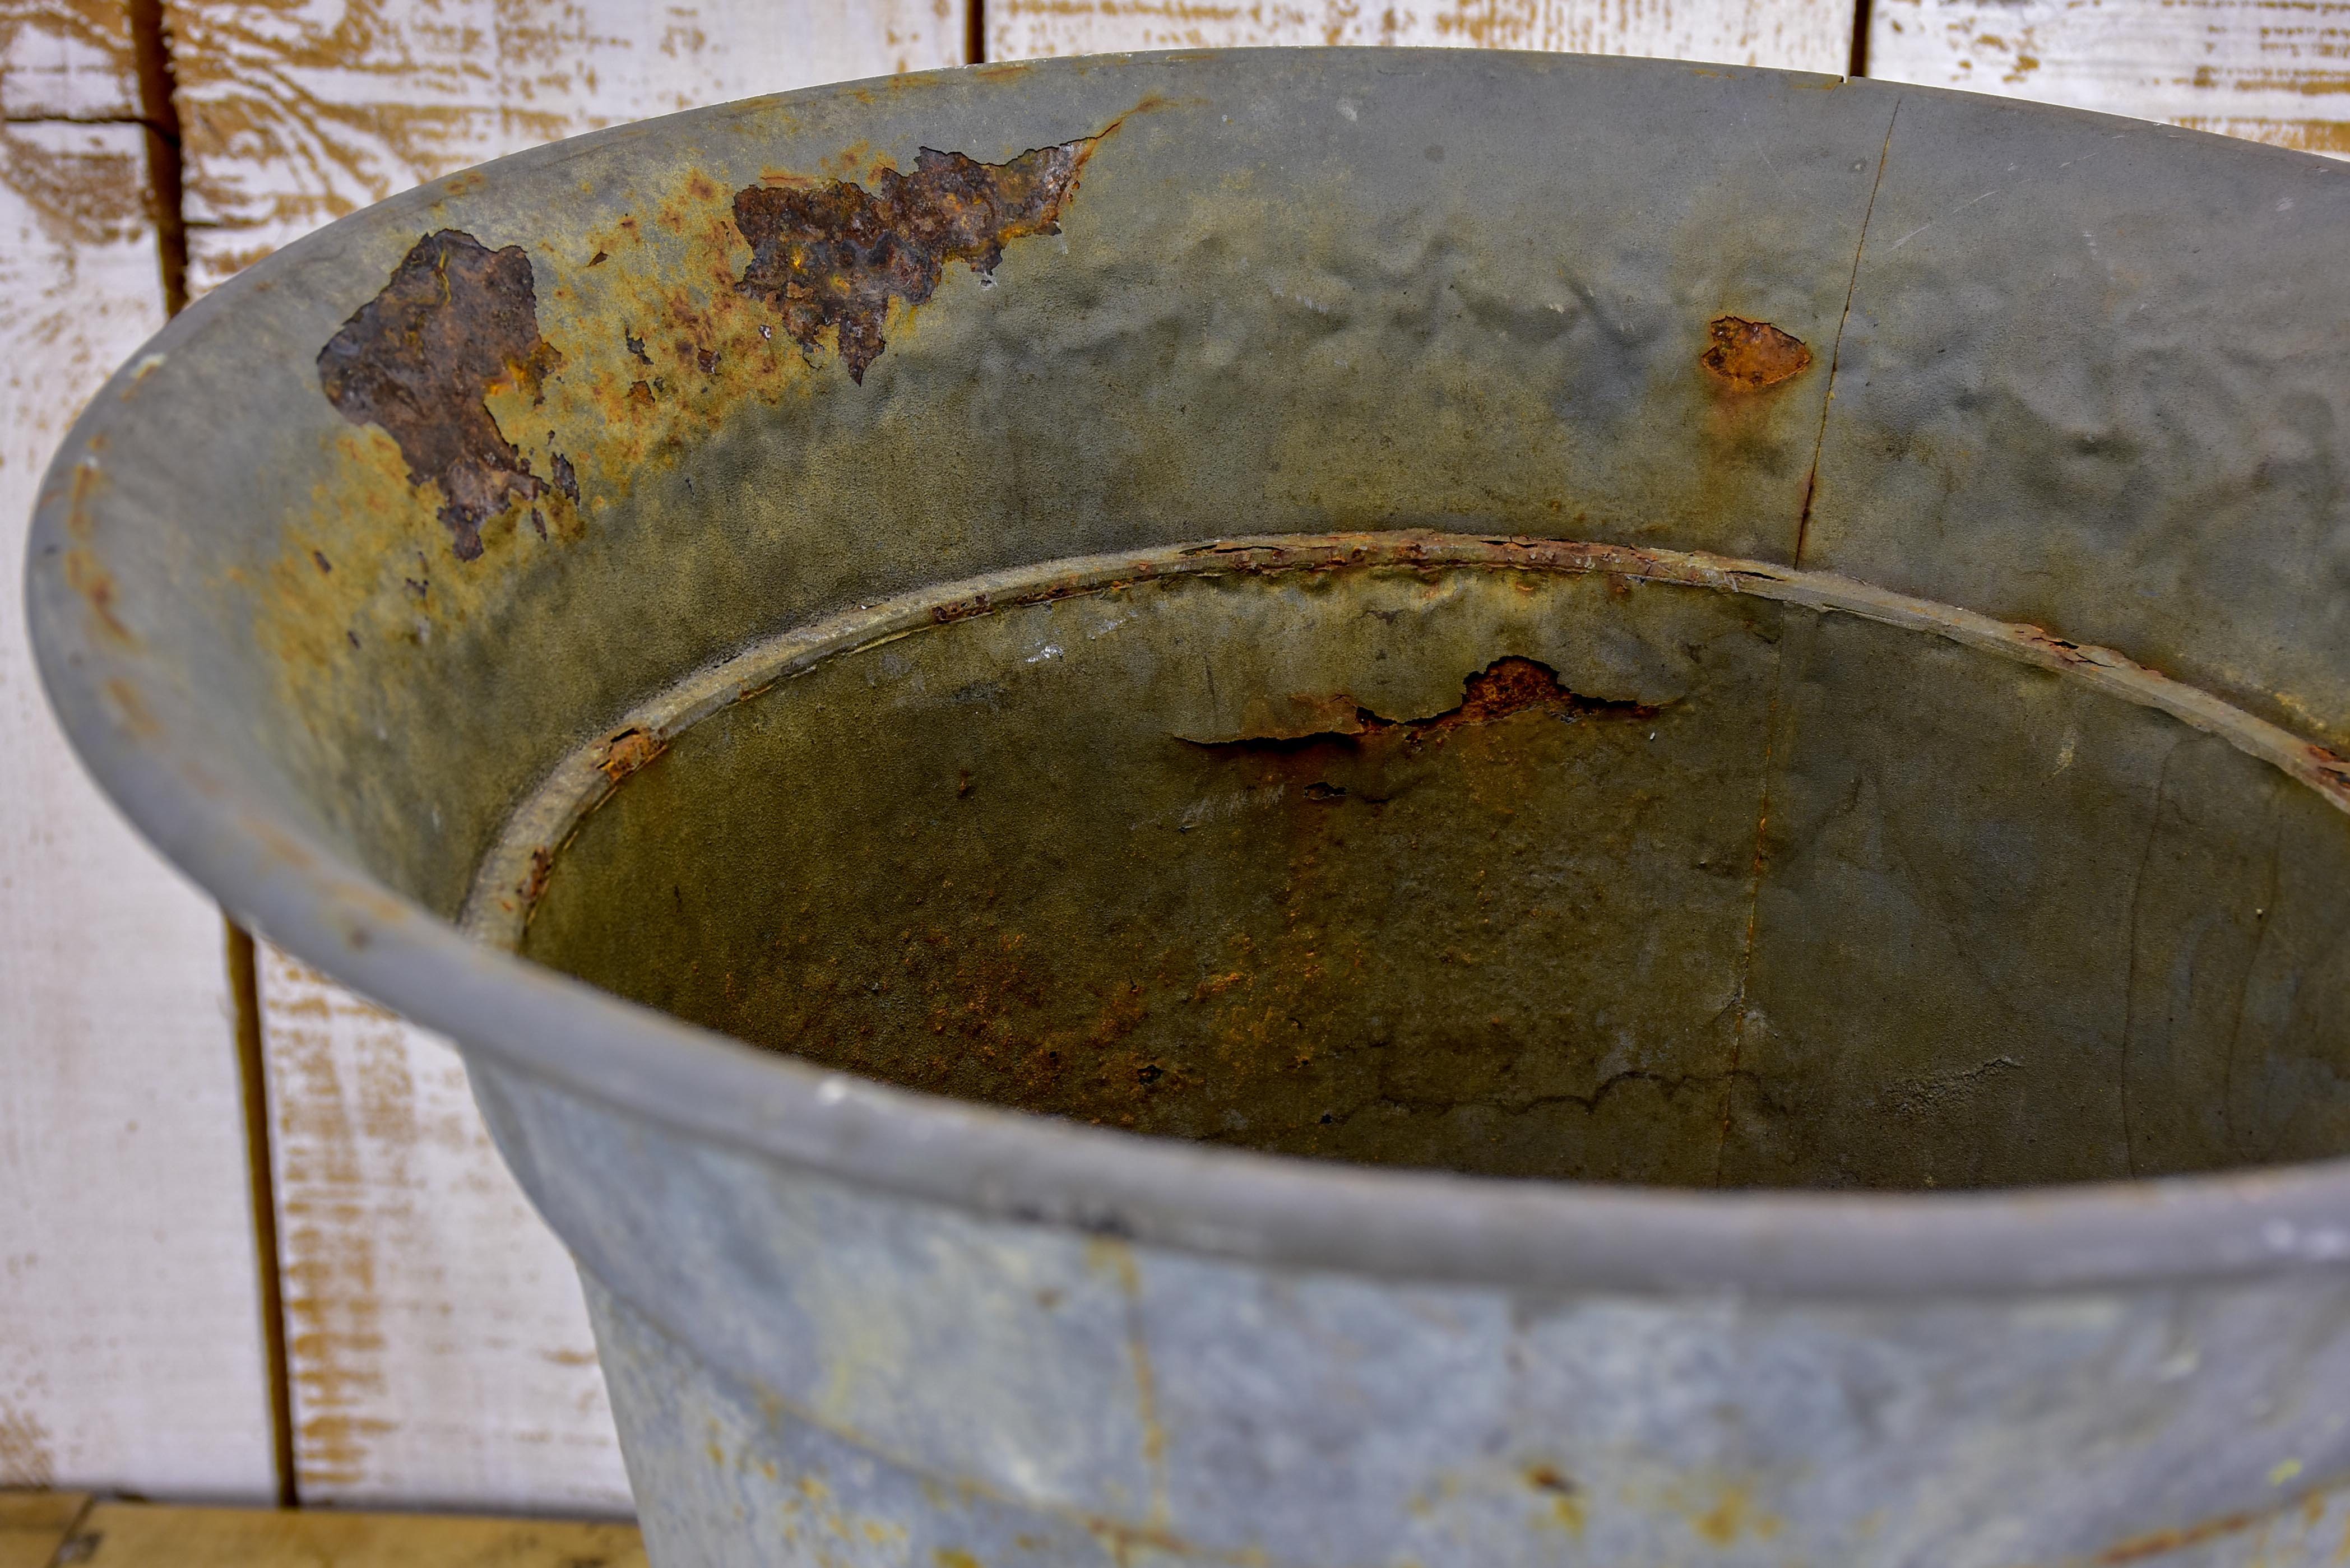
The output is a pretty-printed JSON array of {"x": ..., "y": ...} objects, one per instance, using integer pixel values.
[
  {"x": 34, "y": 1524},
  {"x": 38, "y": 1530}
]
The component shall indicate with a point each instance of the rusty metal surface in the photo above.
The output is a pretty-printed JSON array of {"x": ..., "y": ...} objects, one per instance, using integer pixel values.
[
  {"x": 1213, "y": 843},
  {"x": 1987, "y": 834}
]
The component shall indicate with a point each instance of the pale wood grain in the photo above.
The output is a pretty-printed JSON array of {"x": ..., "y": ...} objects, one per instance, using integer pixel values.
[
  {"x": 297, "y": 111},
  {"x": 2273, "y": 70},
  {"x": 125, "y": 1535},
  {"x": 1797, "y": 35},
  {"x": 439, "y": 1348},
  {"x": 130, "y": 1350},
  {"x": 67, "y": 60}
]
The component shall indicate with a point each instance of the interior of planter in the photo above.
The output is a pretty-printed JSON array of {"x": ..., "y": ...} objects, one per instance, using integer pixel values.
[{"x": 1496, "y": 870}]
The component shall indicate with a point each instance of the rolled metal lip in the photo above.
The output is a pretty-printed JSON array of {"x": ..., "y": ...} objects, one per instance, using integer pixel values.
[
  {"x": 1432, "y": 1226},
  {"x": 1277, "y": 1209}
]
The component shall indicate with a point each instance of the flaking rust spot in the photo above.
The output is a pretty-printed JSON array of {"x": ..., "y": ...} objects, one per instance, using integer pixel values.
[
  {"x": 1508, "y": 686},
  {"x": 629, "y": 750},
  {"x": 456, "y": 322},
  {"x": 831, "y": 255},
  {"x": 1752, "y": 355}
]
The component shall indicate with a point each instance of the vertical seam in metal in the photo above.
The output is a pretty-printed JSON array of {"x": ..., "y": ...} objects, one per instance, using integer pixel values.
[
  {"x": 244, "y": 988},
  {"x": 1779, "y": 664},
  {"x": 159, "y": 113},
  {"x": 974, "y": 32},
  {"x": 1836, "y": 354},
  {"x": 1857, "y": 65}
]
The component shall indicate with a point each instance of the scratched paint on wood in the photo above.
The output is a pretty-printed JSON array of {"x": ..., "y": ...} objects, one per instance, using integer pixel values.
[
  {"x": 438, "y": 1346},
  {"x": 298, "y": 111},
  {"x": 67, "y": 60},
  {"x": 2273, "y": 70},
  {"x": 1797, "y": 35},
  {"x": 131, "y": 1350}
]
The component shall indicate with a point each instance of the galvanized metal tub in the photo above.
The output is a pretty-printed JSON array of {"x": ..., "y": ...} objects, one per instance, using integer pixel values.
[{"x": 1292, "y": 854}]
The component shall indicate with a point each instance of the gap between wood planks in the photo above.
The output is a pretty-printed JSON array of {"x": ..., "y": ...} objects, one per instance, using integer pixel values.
[{"x": 159, "y": 116}]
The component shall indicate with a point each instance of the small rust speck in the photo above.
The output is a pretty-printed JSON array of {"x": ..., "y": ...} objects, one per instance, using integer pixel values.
[
  {"x": 706, "y": 359},
  {"x": 629, "y": 750},
  {"x": 599, "y": 258},
  {"x": 638, "y": 392},
  {"x": 320, "y": 556},
  {"x": 831, "y": 255},
  {"x": 420, "y": 361},
  {"x": 1546, "y": 1477},
  {"x": 1752, "y": 355},
  {"x": 636, "y": 346},
  {"x": 538, "y": 521}
]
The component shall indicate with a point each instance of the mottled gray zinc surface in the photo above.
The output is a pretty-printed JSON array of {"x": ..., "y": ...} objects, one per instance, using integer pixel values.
[{"x": 2086, "y": 373}]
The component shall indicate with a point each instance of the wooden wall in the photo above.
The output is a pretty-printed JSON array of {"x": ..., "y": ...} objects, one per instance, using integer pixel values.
[
  {"x": 434, "y": 1348},
  {"x": 131, "y": 1345}
]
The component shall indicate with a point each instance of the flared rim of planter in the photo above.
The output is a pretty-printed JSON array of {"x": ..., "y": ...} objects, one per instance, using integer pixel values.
[{"x": 517, "y": 1017}]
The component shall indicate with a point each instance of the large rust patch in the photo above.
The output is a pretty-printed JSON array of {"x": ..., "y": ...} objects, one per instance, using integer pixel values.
[
  {"x": 1752, "y": 355},
  {"x": 832, "y": 255},
  {"x": 419, "y": 360}
]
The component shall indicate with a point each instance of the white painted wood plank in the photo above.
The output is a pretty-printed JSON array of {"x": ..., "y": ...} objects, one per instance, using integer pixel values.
[
  {"x": 439, "y": 1348},
  {"x": 295, "y": 114},
  {"x": 66, "y": 59},
  {"x": 1797, "y": 35},
  {"x": 2273, "y": 70},
  {"x": 130, "y": 1350},
  {"x": 440, "y": 1351}
]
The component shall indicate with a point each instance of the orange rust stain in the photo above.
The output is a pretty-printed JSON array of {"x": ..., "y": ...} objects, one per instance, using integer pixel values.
[
  {"x": 1731, "y": 1516},
  {"x": 629, "y": 750},
  {"x": 1565, "y": 1497},
  {"x": 581, "y": 433},
  {"x": 2159, "y": 1543},
  {"x": 80, "y": 521},
  {"x": 1119, "y": 1259},
  {"x": 947, "y": 1557},
  {"x": 1749, "y": 356},
  {"x": 534, "y": 883},
  {"x": 95, "y": 586},
  {"x": 136, "y": 716}
]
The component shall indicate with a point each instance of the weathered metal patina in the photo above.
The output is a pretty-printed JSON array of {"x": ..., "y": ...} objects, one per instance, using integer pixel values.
[{"x": 1285, "y": 851}]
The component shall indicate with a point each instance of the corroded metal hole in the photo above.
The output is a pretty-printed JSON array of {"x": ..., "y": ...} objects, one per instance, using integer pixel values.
[{"x": 1522, "y": 860}]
